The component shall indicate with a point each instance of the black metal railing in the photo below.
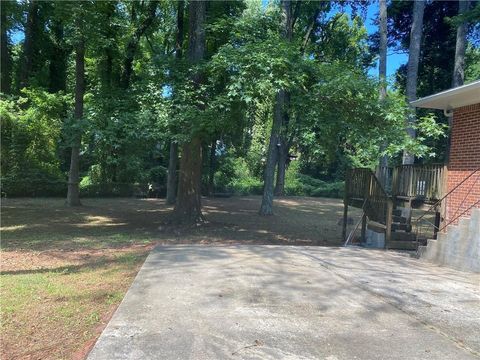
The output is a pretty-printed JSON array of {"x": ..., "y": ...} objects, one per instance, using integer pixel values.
[{"x": 426, "y": 228}]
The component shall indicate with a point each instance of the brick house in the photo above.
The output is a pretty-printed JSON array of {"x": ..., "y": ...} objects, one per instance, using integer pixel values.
[
  {"x": 462, "y": 104},
  {"x": 459, "y": 244},
  {"x": 433, "y": 208}
]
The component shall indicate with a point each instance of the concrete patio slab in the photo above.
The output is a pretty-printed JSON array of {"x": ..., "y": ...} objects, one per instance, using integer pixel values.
[{"x": 281, "y": 302}]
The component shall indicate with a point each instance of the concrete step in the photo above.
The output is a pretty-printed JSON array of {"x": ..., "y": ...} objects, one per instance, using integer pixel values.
[
  {"x": 422, "y": 241},
  {"x": 421, "y": 251},
  {"x": 454, "y": 247},
  {"x": 458, "y": 247},
  {"x": 430, "y": 252}
]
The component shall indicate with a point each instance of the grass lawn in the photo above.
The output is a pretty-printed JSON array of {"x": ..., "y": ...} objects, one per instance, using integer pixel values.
[{"x": 64, "y": 271}]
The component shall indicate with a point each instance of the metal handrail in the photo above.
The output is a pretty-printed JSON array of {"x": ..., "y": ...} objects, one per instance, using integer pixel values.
[
  {"x": 436, "y": 228},
  {"x": 465, "y": 211},
  {"x": 443, "y": 198}
]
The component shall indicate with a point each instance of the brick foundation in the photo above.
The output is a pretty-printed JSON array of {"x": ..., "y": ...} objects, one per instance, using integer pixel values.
[{"x": 464, "y": 159}]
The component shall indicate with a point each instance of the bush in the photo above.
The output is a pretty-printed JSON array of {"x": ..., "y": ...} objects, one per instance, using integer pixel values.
[
  {"x": 31, "y": 132},
  {"x": 112, "y": 190},
  {"x": 331, "y": 190},
  {"x": 33, "y": 186},
  {"x": 246, "y": 186},
  {"x": 303, "y": 185},
  {"x": 235, "y": 177}
]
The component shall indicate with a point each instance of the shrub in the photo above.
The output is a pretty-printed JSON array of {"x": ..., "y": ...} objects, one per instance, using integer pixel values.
[
  {"x": 305, "y": 185},
  {"x": 246, "y": 186},
  {"x": 332, "y": 190},
  {"x": 31, "y": 131}
]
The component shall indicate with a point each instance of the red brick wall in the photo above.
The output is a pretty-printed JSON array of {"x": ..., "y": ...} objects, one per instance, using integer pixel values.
[{"x": 464, "y": 159}]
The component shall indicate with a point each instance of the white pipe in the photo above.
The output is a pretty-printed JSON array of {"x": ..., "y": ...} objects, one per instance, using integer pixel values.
[{"x": 448, "y": 112}]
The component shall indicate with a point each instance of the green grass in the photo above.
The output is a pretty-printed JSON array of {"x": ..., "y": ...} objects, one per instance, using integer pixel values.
[
  {"x": 64, "y": 270},
  {"x": 61, "y": 308}
]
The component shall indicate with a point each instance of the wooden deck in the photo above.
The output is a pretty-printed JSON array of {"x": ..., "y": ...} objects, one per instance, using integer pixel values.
[
  {"x": 426, "y": 183},
  {"x": 380, "y": 193}
]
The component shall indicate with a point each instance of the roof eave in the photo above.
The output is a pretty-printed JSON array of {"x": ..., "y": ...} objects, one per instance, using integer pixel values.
[{"x": 450, "y": 99}]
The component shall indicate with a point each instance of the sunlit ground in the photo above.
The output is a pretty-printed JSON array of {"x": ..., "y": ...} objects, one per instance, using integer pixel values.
[{"x": 64, "y": 270}]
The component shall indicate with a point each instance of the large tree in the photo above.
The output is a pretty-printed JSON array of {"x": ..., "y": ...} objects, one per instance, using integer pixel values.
[
  {"x": 412, "y": 71},
  {"x": 460, "y": 46},
  {"x": 382, "y": 62},
  {"x": 280, "y": 113},
  {"x": 173, "y": 152},
  {"x": 28, "y": 53},
  {"x": 5, "y": 64},
  {"x": 188, "y": 207},
  {"x": 73, "y": 195},
  {"x": 142, "y": 22}
]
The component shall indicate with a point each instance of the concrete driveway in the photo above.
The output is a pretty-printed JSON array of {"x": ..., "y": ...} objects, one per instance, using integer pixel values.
[{"x": 281, "y": 302}]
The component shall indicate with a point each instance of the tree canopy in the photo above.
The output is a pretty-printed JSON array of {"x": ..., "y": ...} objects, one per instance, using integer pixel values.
[{"x": 206, "y": 78}]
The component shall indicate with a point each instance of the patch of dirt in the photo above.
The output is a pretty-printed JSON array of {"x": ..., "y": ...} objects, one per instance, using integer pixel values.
[
  {"x": 52, "y": 260},
  {"x": 95, "y": 251},
  {"x": 112, "y": 223},
  {"x": 88, "y": 346}
]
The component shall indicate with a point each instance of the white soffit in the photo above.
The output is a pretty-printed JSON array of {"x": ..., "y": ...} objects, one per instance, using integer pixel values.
[{"x": 453, "y": 98}]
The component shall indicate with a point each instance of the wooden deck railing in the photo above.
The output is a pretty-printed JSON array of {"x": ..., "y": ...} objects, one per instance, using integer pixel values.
[
  {"x": 356, "y": 182},
  {"x": 363, "y": 186},
  {"x": 426, "y": 182},
  {"x": 378, "y": 201}
]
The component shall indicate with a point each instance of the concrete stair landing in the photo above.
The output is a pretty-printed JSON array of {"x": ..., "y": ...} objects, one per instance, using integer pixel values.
[{"x": 458, "y": 247}]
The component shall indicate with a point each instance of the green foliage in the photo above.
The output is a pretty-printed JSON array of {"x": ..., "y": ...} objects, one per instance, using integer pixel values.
[
  {"x": 31, "y": 135},
  {"x": 304, "y": 185},
  {"x": 472, "y": 72},
  {"x": 235, "y": 177},
  {"x": 124, "y": 135},
  {"x": 335, "y": 119}
]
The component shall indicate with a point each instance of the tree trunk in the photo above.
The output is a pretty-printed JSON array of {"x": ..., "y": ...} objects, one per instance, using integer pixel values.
[
  {"x": 73, "y": 195},
  {"x": 188, "y": 206},
  {"x": 28, "y": 44},
  {"x": 172, "y": 173},
  {"x": 412, "y": 71},
  {"x": 382, "y": 63},
  {"x": 272, "y": 157},
  {"x": 132, "y": 44},
  {"x": 58, "y": 60},
  {"x": 459, "y": 67},
  {"x": 173, "y": 158},
  {"x": 283, "y": 150},
  {"x": 211, "y": 175},
  {"x": 382, "y": 66},
  {"x": 6, "y": 78},
  {"x": 279, "y": 116},
  {"x": 180, "y": 32}
]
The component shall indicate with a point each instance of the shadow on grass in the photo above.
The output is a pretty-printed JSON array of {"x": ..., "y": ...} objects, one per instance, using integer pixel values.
[
  {"x": 43, "y": 224},
  {"x": 129, "y": 259}
]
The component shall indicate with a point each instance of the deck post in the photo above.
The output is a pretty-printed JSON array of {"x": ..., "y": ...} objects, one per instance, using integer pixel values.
[
  {"x": 364, "y": 228},
  {"x": 345, "y": 206},
  {"x": 444, "y": 190},
  {"x": 394, "y": 190},
  {"x": 388, "y": 222}
]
